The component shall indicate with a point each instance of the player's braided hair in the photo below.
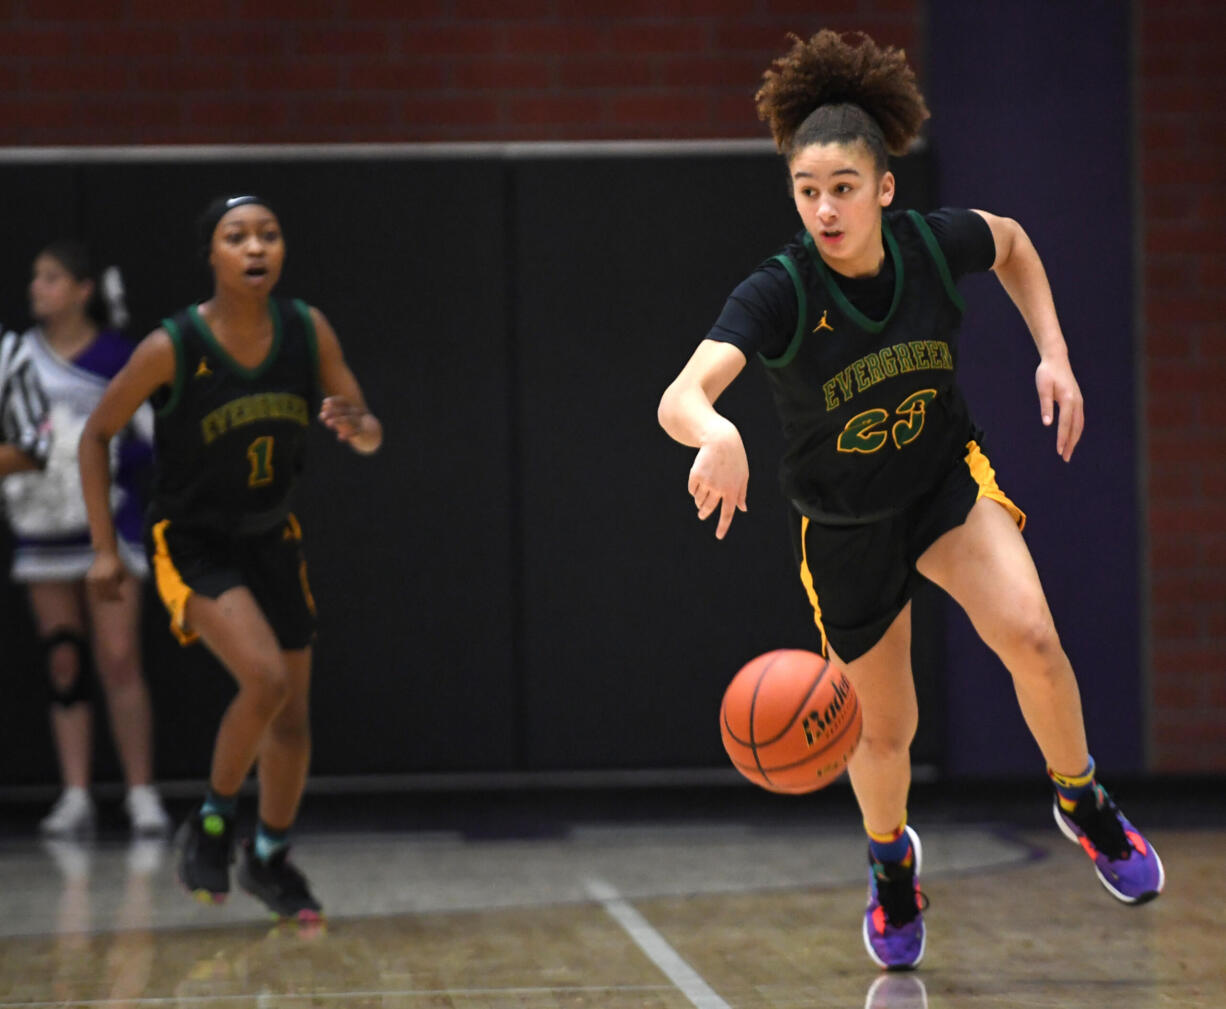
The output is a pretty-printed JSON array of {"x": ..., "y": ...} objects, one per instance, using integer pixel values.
[{"x": 839, "y": 89}]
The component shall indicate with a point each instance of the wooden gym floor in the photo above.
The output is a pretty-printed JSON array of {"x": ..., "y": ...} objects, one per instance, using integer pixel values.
[{"x": 658, "y": 899}]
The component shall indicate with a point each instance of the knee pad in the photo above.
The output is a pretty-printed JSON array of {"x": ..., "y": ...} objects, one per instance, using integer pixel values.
[{"x": 80, "y": 691}]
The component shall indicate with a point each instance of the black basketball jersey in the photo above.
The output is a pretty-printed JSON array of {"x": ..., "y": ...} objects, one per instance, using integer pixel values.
[
  {"x": 870, "y": 411},
  {"x": 230, "y": 440}
]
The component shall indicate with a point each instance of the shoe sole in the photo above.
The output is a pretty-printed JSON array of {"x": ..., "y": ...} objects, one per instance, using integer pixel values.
[
  {"x": 1123, "y": 898},
  {"x": 868, "y": 945},
  {"x": 200, "y": 894},
  {"x": 197, "y": 893},
  {"x": 303, "y": 916}
]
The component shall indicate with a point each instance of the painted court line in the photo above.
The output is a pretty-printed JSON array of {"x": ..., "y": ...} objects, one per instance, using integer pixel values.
[{"x": 687, "y": 980}]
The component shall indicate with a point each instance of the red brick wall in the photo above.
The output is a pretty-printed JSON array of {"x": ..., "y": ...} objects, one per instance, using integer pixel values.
[
  {"x": 1181, "y": 103},
  {"x": 273, "y": 71}
]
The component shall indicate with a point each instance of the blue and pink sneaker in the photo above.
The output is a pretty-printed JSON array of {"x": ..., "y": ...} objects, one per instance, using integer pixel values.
[
  {"x": 1126, "y": 863},
  {"x": 894, "y": 919}
]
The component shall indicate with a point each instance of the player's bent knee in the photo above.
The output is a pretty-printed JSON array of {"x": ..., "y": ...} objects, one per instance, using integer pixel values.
[
  {"x": 291, "y": 728},
  {"x": 268, "y": 682},
  {"x": 1024, "y": 629},
  {"x": 1037, "y": 637},
  {"x": 887, "y": 743}
]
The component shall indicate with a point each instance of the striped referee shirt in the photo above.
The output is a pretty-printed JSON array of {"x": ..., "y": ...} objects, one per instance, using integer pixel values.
[{"x": 24, "y": 419}]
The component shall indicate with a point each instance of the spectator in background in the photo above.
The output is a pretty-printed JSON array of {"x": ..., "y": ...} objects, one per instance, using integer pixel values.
[
  {"x": 25, "y": 430},
  {"x": 83, "y": 637}
]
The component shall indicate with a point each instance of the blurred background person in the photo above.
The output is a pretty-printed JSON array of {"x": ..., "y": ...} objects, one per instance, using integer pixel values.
[
  {"x": 81, "y": 638},
  {"x": 25, "y": 430}
]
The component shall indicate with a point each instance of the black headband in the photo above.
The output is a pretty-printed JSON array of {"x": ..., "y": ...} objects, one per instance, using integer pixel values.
[{"x": 207, "y": 223}]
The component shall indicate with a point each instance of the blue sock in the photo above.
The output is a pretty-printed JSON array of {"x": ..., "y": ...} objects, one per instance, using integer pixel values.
[
  {"x": 268, "y": 841},
  {"x": 222, "y": 805},
  {"x": 1070, "y": 788},
  {"x": 892, "y": 847}
]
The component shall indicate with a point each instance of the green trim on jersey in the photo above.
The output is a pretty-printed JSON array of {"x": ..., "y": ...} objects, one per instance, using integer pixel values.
[
  {"x": 840, "y": 299},
  {"x": 176, "y": 387},
  {"x": 308, "y": 321},
  {"x": 233, "y": 365},
  {"x": 938, "y": 256},
  {"x": 802, "y": 313}
]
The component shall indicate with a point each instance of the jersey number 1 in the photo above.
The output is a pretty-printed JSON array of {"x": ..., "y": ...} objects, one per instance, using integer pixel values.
[{"x": 259, "y": 454}]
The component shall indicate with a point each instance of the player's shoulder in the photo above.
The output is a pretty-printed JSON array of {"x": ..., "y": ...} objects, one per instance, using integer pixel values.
[{"x": 776, "y": 270}]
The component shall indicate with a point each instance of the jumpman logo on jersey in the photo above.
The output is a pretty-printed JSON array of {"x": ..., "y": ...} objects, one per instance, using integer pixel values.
[
  {"x": 202, "y": 369},
  {"x": 823, "y": 324}
]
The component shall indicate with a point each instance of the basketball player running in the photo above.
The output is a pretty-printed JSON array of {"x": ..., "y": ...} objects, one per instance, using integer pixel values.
[
  {"x": 233, "y": 382},
  {"x": 856, "y": 323}
]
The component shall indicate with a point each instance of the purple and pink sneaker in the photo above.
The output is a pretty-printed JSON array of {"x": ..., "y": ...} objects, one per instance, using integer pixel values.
[
  {"x": 1126, "y": 863},
  {"x": 894, "y": 919}
]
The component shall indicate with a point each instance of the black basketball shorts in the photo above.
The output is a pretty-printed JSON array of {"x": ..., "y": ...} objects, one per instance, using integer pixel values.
[
  {"x": 859, "y": 577},
  {"x": 190, "y": 559}
]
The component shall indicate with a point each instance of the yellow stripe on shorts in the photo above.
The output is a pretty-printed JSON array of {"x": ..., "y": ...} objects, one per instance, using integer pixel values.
[
  {"x": 983, "y": 474},
  {"x": 173, "y": 591},
  {"x": 293, "y": 530},
  {"x": 806, "y": 578}
]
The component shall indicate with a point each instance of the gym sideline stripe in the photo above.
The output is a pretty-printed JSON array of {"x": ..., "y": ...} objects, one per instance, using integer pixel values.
[{"x": 687, "y": 980}]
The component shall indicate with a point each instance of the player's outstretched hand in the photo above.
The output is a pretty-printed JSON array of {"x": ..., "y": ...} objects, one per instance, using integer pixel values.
[
  {"x": 1058, "y": 388},
  {"x": 105, "y": 575},
  {"x": 342, "y": 416},
  {"x": 719, "y": 477}
]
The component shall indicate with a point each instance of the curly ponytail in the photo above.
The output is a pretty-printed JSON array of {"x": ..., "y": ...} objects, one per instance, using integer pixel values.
[{"x": 832, "y": 89}]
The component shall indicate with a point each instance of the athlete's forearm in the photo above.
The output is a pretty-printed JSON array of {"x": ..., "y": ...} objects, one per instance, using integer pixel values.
[
  {"x": 93, "y": 458},
  {"x": 1025, "y": 281},
  {"x": 687, "y": 416}
]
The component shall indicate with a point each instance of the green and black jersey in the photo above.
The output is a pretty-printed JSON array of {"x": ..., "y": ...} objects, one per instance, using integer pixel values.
[
  {"x": 230, "y": 440},
  {"x": 870, "y": 410}
]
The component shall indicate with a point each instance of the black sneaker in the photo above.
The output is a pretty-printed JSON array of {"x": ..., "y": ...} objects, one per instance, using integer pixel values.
[
  {"x": 279, "y": 884},
  {"x": 206, "y": 849}
]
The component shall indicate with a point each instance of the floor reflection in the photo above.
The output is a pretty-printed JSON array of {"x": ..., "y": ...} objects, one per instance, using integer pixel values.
[{"x": 88, "y": 963}]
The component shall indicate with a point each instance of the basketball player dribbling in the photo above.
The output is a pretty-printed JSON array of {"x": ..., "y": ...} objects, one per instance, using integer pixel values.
[
  {"x": 856, "y": 322},
  {"x": 234, "y": 382}
]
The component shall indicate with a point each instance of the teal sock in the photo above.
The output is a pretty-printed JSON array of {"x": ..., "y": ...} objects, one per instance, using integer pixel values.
[
  {"x": 268, "y": 841},
  {"x": 221, "y": 805}
]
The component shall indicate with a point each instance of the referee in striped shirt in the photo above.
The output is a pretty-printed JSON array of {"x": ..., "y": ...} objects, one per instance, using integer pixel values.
[{"x": 25, "y": 424}]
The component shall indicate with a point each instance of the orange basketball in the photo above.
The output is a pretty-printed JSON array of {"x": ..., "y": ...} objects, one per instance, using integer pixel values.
[{"x": 790, "y": 721}]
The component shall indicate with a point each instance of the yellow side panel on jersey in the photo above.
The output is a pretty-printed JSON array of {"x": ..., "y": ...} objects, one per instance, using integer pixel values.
[
  {"x": 983, "y": 474},
  {"x": 171, "y": 587},
  {"x": 806, "y": 578}
]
